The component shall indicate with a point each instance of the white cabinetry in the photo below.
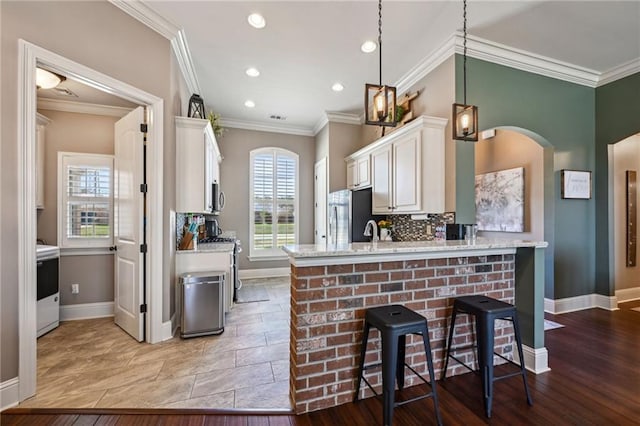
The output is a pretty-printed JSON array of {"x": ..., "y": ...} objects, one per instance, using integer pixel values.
[
  {"x": 359, "y": 173},
  {"x": 197, "y": 165},
  {"x": 407, "y": 168},
  {"x": 41, "y": 124}
]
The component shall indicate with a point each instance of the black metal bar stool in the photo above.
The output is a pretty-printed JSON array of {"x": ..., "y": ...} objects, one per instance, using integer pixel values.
[
  {"x": 486, "y": 310},
  {"x": 394, "y": 323}
]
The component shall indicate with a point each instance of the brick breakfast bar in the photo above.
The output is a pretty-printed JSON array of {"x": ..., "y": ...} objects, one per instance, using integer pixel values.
[{"x": 332, "y": 286}]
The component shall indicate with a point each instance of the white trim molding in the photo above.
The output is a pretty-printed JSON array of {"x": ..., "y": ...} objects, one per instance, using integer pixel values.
[
  {"x": 627, "y": 294},
  {"x": 266, "y": 127},
  {"x": 619, "y": 72},
  {"x": 337, "y": 117},
  {"x": 82, "y": 311},
  {"x": 170, "y": 327},
  {"x": 82, "y": 108},
  {"x": 9, "y": 393},
  {"x": 535, "y": 360},
  {"x": 247, "y": 274},
  {"x": 579, "y": 303}
]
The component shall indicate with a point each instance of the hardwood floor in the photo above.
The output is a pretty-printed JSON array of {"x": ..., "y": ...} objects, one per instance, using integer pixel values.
[{"x": 594, "y": 380}]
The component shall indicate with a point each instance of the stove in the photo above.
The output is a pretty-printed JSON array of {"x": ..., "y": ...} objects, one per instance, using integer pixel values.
[{"x": 217, "y": 240}]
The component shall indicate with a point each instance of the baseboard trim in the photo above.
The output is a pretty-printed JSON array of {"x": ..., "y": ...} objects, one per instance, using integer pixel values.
[
  {"x": 9, "y": 393},
  {"x": 579, "y": 303},
  {"x": 86, "y": 311},
  {"x": 535, "y": 360},
  {"x": 169, "y": 328},
  {"x": 628, "y": 294},
  {"x": 247, "y": 274}
]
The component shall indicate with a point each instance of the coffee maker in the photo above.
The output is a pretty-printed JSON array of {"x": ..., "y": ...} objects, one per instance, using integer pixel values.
[{"x": 212, "y": 227}]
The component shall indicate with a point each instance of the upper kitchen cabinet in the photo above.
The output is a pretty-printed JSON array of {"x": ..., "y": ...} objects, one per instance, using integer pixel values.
[
  {"x": 197, "y": 165},
  {"x": 41, "y": 124},
  {"x": 358, "y": 172},
  {"x": 407, "y": 168}
]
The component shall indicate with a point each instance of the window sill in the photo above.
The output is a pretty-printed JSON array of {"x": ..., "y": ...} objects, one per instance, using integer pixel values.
[
  {"x": 84, "y": 251},
  {"x": 255, "y": 258}
]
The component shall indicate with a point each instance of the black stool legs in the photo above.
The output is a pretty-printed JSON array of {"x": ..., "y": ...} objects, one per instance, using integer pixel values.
[
  {"x": 394, "y": 323},
  {"x": 486, "y": 311}
]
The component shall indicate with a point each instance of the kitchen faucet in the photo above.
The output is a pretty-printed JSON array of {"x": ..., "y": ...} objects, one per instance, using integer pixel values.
[{"x": 371, "y": 225}]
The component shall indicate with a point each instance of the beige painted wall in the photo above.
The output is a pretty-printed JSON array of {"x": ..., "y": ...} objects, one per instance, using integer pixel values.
[
  {"x": 235, "y": 145},
  {"x": 99, "y": 36},
  {"x": 343, "y": 140},
  {"x": 507, "y": 150},
  {"x": 84, "y": 133},
  {"x": 322, "y": 143},
  {"x": 626, "y": 156}
]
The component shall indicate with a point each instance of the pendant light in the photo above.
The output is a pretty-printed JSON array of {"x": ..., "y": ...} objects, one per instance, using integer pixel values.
[
  {"x": 465, "y": 117},
  {"x": 380, "y": 100}
]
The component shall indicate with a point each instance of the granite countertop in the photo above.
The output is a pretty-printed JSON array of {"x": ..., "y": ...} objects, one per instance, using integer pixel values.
[{"x": 405, "y": 247}]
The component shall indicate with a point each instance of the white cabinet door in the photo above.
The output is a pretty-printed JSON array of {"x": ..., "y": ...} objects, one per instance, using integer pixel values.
[
  {"x": 352, "y": 174},
  {"x": 381, "y": 181},
  {"x": 364, "y": 175},
  {"x": 407, "y": 177},
  {"x": 197, "y": 166}
]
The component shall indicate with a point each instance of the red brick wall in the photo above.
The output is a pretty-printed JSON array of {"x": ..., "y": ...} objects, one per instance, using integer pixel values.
[{"x": 327, "y": 312}]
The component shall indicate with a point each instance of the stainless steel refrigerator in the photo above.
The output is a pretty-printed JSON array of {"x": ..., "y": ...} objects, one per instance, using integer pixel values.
[{"x": 349, "y": 212}]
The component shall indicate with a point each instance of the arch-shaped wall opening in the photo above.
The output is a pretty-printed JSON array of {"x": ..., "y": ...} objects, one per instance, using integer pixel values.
[
  {"x": 517, "y": 147},
  {"x": 624, "y": 156}
]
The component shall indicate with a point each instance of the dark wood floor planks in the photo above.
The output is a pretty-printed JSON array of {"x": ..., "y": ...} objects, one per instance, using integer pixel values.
[{"x": 594, "y": 380}]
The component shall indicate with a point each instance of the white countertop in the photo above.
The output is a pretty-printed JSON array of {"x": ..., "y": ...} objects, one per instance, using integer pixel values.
[{"x": 362, "y": 252}]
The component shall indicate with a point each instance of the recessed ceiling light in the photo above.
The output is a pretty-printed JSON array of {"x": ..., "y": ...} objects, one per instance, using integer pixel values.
[
  {"x": 252, "y": 72},
  {"x": 337, "y": 87},
  {"x": 256, "y": 20},
  {"x": 368, "y": 46},
  {"x": 249, "y": 104}
]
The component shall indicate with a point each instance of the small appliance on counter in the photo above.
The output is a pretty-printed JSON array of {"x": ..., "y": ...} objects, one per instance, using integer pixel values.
[{"x": 455, "y": 231}]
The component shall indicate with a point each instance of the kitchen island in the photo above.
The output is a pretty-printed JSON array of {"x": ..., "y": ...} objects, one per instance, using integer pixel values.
[{"x": 332, "y": 286}]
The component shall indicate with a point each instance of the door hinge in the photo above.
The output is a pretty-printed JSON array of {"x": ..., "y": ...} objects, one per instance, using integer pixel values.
[
  {"x": 143, "y": 248},
  {"x": 143, "y": 308},
  {"x": 143, "y": 128},
  {"x": 143, "y": 188}
]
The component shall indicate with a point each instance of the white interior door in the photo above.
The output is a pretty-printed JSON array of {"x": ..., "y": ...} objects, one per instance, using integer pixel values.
[
  {"x": 320, "y": 202},
  {"x": 128, "y": 223}
]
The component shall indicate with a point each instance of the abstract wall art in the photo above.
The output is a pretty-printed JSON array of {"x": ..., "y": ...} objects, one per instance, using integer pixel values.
[{"x": 500, "y": 201}]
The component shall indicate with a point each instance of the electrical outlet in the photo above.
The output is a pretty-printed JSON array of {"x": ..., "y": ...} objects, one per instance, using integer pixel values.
[{"x": 75, "y": 288}]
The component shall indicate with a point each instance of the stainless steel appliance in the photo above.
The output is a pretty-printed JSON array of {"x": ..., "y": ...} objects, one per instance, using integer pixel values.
[
  {"x": 217, "y": 198},
  {"x": 349, "y": 212},
  {"x": 47, "y": 288},
  {"x": 202, "y": 303}
]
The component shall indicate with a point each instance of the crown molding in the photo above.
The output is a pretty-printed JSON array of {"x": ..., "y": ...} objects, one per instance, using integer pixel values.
[
  {"x": 619, "y": 72},
  {"x": 82, "y": 108},
  {"x": 337, "y": 117},
  {"x": 262, "y": 127},
  {"x": 501, "y": 54},
  {"x": 139, "y": 10}
]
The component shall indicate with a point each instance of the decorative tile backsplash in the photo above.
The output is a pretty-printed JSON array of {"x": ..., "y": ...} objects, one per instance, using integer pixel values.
[{"x": 432, "y": 228}]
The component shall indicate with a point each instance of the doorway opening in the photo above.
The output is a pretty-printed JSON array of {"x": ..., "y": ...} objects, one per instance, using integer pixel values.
[{"x": 31, "y": 55}]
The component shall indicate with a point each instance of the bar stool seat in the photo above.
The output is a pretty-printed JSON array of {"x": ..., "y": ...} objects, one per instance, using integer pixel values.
[
  {"x": 486, "y": 310},
  {"x": 394, "y": 323}
]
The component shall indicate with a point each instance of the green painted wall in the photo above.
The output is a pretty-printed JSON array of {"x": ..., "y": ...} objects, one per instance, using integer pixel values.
[
  {"x": 560, "y": 113},
  {"x": 617, "y": 117}
]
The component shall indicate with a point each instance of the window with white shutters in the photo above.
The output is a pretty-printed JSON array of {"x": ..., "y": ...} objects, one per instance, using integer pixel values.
[
  {"x": 85, "y": 194},
  {"x": 274, "y": 201}
]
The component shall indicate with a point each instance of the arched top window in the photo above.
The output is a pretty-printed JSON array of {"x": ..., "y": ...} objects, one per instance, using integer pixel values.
[{"x": 273, "y": 202}]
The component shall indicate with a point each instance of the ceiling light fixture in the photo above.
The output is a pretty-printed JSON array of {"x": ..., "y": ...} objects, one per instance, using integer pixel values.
[
  {"x": 368, "y": 46},
  {"x": 256, "y": 20},
  {"x": 47, "y": 79},
  {"x": 465, "y": 117},
  {"x": 379, "y": 100},
  {"x": 249, "y": 104},
  {"x": 252, "y": 72},
  {"x": 337, "y": 87}
]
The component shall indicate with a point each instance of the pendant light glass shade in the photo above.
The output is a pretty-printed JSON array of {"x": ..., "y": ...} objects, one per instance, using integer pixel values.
[
  {"x": 380, "y": 104},
  {"x": 465, "y": 117},
  {"x": 380, "y": 100},
  {"x": 465, "y": 121}
]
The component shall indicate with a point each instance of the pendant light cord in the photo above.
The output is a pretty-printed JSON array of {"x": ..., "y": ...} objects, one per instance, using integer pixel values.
[
  {"x": 380, "y": 38},
  {"x": 464, "y": 48}
]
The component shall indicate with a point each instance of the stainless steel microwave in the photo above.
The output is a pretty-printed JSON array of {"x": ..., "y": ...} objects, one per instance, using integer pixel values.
[{"x": 217, "y": 198}]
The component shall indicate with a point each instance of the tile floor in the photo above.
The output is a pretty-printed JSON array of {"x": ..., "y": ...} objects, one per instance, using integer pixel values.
[{"x": 94, "y": 364}]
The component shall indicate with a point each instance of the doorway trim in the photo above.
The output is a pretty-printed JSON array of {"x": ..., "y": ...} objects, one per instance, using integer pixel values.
[{"x": 28, "y": 56}]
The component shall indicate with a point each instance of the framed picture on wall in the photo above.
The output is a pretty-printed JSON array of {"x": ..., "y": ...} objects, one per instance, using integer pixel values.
[{"x": 575, "y": 184}]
